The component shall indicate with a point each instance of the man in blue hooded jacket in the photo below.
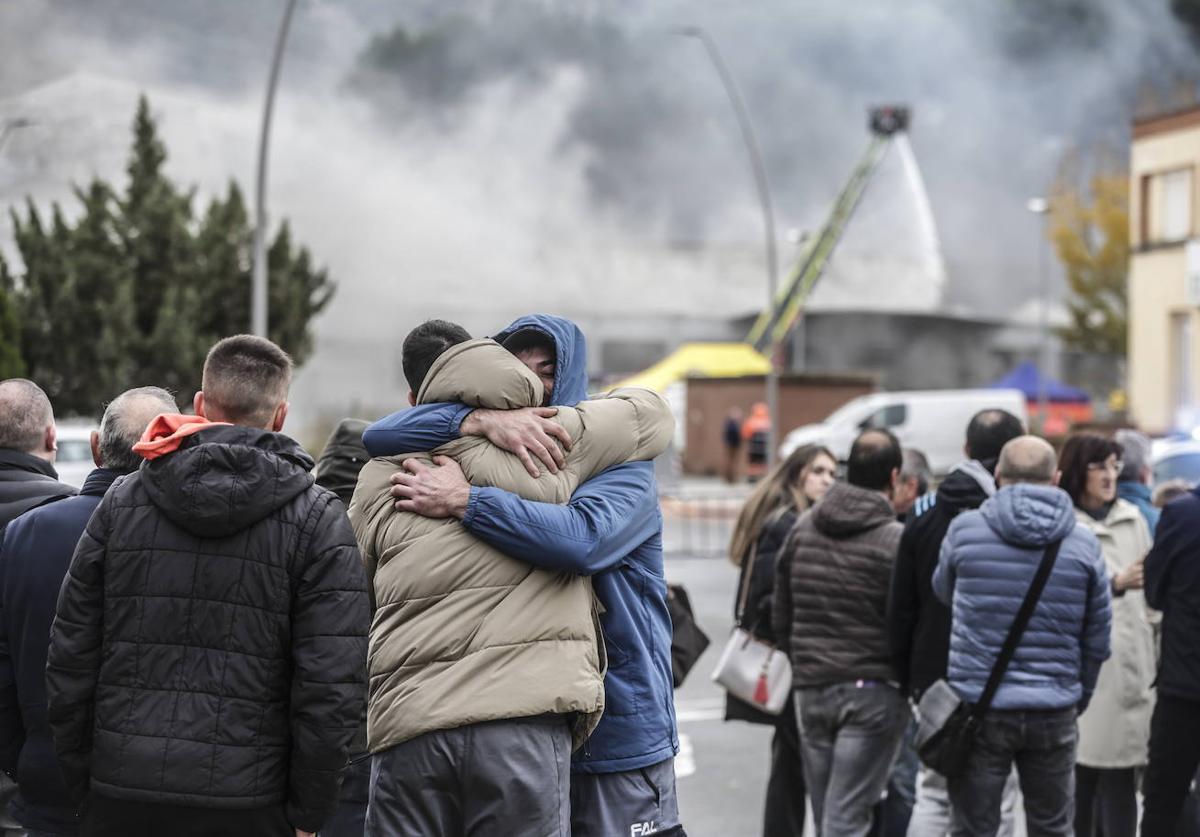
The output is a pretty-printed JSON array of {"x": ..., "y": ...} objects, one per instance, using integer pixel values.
[
  {"x": 623, "y": 779},
  {"x": 988, "y": 560}
]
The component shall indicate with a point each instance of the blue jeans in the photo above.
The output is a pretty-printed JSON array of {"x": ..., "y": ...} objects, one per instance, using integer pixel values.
[
  {"x": 850, "y": 734},
  {"x": 1042, "y": 745}
]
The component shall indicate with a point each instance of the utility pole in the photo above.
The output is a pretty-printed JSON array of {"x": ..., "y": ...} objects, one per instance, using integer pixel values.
[
  {"x": 258, "y": 292},
  {"x": 1041, "y": 207},
  {"x": 764, "y": 200}
]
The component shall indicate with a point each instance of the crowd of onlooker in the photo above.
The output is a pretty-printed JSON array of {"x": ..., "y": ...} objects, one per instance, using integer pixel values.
[{"x": 883, "y": 592}]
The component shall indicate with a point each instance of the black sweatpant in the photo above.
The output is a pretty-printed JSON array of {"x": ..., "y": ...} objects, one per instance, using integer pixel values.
[
  {"x": 786, "y": 793},
  {"x": 104, "y": 816},
  {"x": 1174, "y": 757},
  {"x": 1105, "y": 802}
]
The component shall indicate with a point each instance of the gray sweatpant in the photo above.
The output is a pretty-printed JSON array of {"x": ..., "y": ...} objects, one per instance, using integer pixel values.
[
  {"x": 500, "y": 777},
  {"x": 633, "y": 803}
]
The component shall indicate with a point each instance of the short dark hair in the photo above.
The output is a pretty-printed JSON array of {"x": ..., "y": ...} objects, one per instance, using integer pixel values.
[
  {"x": 246, "y": 378},
  {"x": 1079, "y": 451},
  {"x": 874, "y": 455},
  {"x": 989, "y": 431},
  {"x": 25, "y": 413},
  {"x": 424, "y": 344}
]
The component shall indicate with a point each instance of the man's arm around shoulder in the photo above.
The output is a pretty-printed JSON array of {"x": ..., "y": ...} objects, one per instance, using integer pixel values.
[{"x": 606, "y": 519}]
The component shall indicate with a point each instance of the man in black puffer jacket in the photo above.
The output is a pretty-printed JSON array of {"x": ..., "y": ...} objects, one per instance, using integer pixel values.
[
  {"x": 207, "y": 661},
  {"x": 831, "y": 593}
]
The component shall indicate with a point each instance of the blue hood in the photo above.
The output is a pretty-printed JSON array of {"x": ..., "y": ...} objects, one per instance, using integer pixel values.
[
  {"x": 570, "y": 376},
  {"x": 1030, "y": 515}
]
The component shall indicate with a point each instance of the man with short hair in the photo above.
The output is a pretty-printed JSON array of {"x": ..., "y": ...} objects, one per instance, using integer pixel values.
[
  {"x": 829, "y": 612},
  {"x": 1136, "y": 477},
  {"x": 206, "y": 665},
  {"x": 27, "y": 448},
  {"x": 989, "y": 558},
  {"x": 35, "y": 551},
  {"x": 918, "y": 623},
  {"x": 622, "y": 780},
  {"x": 913, "y": 482}
]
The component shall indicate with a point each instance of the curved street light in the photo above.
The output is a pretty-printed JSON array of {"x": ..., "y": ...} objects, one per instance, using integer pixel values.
[
  {"x": 764, "y": 200},
  {"x": 258, "y": 290}
]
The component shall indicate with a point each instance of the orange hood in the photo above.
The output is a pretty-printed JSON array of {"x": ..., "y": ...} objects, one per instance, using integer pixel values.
[{"x": 167, "y": 432}]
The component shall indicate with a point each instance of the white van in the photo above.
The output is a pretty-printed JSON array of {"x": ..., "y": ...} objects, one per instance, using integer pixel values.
[{"x": 932, "y": 421}]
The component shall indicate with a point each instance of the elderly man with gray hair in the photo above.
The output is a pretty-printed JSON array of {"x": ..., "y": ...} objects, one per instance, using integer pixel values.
[
  {"x": 1136, "y": 478},
  {"x": 27, "y": 448},
  {"x": 987, "y": 564},
  {"x": 35, "y": 551}
]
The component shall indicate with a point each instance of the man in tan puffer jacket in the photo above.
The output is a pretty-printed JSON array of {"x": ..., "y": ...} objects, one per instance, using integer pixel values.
[{"x": 484, "y": 671}]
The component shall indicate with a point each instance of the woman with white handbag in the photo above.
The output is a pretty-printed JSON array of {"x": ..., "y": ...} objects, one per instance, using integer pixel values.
[{"x": 758, "y": 537}]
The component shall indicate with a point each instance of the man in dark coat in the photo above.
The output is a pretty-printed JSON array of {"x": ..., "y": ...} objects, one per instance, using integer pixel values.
[
  {"x": 918, "y": 623},
  {"x": 35, "y": 552},
  {"x": 207, "y": 662},
  {"x": 1173, "y": 586},
  {"x": 831, "y": 595},
  {"x": 27, "y": 445}
]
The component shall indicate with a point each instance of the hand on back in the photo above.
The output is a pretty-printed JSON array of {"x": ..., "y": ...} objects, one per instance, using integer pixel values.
[{"x": 527, "y": 433}]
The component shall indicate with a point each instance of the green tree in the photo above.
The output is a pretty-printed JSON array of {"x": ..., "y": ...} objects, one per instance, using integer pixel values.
[
  {"x": 1089, "y": 226},
  {"x": 11, "y": 363},
  {"x": 138, "y": 288}
]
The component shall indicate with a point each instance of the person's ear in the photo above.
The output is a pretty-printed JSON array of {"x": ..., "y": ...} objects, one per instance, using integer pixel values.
[
  {"x": 412, "y": 398},
  {"x": 95, "y": 441},
  {"x": 895, "y": 481},
  {"x": 50, "y": 440},
  {"x": 1146, "y": 475},
  {"x": 198, "y": 404},
  {"x": 280, "y": 417},
  {"x": 1057, "y": 478}
]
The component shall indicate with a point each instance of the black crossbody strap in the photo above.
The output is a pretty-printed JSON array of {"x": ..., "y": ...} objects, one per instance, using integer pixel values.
[{"x": 1018, "y": 628}]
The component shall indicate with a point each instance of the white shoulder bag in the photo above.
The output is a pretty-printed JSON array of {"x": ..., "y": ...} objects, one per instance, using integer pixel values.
[{"x": 752, "y": 670}]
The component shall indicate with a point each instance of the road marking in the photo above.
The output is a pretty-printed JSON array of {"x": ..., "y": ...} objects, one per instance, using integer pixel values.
[
  {"x": 685, "y": 762},
  {"x": 700, "y": 709}
]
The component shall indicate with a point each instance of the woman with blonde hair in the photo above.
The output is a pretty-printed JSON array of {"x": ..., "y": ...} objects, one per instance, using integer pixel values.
[{"x": 777, "y": 502}]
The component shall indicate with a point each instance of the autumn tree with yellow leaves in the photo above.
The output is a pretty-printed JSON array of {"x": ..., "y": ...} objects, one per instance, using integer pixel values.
[{"x": 1089, "y": 227}]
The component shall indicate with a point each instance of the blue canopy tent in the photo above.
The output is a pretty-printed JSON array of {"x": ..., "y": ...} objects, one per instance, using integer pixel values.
[{"x": 1026, "y": 378}]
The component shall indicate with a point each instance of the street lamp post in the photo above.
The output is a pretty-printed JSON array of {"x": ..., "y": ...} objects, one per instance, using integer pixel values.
[
  {"x": 258, "y": 292},
  {"x": 1041, "y": 207},
  {"x": 768, "y": 215}
]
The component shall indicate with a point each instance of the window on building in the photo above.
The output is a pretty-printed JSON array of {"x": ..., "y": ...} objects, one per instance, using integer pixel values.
[{"x": 1167, "y": 206}]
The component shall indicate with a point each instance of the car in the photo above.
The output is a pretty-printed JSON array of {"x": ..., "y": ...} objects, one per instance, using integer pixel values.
[
  {"x": 1175, "y": 459},
  {"x": 74, "y": 458},
  {"x": 932, "y": 421}
]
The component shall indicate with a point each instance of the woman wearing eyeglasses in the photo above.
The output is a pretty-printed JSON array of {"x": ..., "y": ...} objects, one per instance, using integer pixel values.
[{"x": 1114, "y": 732}]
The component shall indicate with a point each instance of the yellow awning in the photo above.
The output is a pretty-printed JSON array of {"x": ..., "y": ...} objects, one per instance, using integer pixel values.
[{"x": 710, "y": 360}]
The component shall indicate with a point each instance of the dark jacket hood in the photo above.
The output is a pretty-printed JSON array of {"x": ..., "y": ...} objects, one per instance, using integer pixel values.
[
  {"x": 847, "y": 510},
  {"x": 342, "y": 459},
  {"x": 967, "y": 486},
  {"x": 570, "y": 376},
  {"x": 1030, "y": 515},
  {"x": 226, "y": 478}
]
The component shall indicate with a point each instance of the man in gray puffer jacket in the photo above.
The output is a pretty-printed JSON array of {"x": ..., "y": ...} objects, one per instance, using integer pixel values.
[
  {"x": 988, "y": 560},
  {"x": 830, "y": 615}
]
